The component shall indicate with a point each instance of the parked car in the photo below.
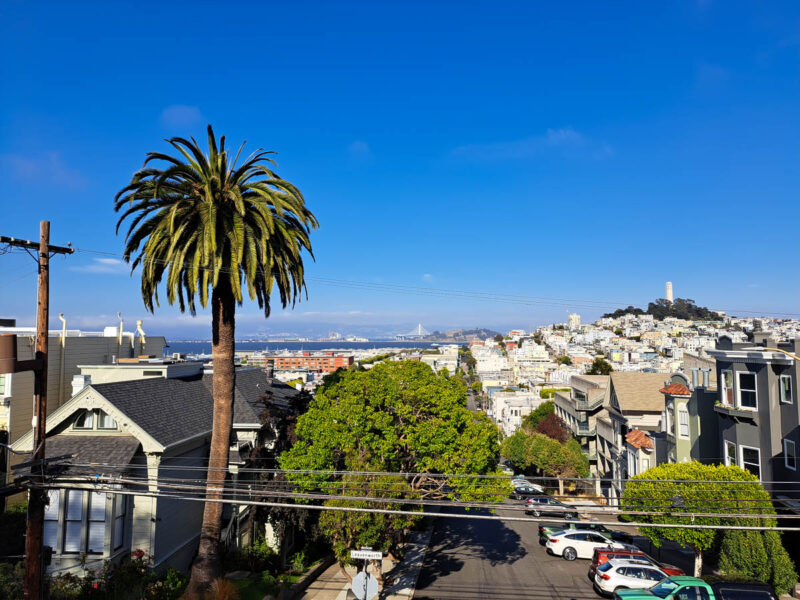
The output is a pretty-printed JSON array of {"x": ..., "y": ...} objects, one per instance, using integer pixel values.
[
  {"x": 602, "y": 555},
  {"x": 520, "y": 482},
  {"x": 523, "y": 492},
  {"x": 506, "y": 470},
  {"x": 615, "y": 575},
  {"x": 573, "y": 543},
  {"x": 545, "y": 505},
  {"x": 545, "y": 529},
  {"x": 692, "y": 588}
]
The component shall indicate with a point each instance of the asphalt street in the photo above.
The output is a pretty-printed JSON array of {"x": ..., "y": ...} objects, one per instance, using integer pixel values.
[{"x": 496, "y": 560}]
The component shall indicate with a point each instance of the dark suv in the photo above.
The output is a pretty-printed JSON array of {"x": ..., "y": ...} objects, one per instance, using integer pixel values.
[{"x": 545, "y": 505}]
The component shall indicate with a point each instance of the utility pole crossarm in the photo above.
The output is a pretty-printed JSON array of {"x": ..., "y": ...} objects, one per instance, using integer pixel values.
[{"x": 29, "y": 245}]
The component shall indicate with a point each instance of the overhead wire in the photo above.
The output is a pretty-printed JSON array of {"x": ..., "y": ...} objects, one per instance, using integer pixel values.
[{"x": 468, "y": 294}]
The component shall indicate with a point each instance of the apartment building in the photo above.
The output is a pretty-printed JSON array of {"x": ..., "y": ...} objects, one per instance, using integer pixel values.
[
  {"x": 324, "y": 362},
  {"x": 581, "y": 408},
  {"x": 757, "y": 408}
]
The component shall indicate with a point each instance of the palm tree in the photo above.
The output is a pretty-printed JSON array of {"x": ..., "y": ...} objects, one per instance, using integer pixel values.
[{"x": 203, "y": 223}]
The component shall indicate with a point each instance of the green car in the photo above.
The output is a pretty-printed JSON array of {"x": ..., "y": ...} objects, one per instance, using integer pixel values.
[{"x": 691, "y": 588}]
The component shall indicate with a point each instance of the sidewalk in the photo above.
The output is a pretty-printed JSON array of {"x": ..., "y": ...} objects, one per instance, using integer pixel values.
[{"x": 333, "y": 585}]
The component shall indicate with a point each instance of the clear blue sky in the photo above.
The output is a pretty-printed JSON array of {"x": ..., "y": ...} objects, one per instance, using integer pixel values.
[{"x": 576, "y": 150}]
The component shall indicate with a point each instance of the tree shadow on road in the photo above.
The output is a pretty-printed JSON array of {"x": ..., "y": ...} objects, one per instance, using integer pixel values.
[{"x": 456, "y": 541}]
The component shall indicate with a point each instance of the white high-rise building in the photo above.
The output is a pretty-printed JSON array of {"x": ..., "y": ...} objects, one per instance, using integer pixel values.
[
  {"x": 574, "y": 321},
  {"x": 668, "y": 295}
]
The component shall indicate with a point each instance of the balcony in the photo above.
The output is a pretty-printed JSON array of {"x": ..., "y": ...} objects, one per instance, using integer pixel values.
[
  {"x": 737, "y": 413},
  {"x": 584, "y": 429},
  {"x": 586, "y": 404}
]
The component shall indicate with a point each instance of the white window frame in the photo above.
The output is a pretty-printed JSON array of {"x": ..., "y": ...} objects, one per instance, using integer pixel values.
[
  {"x": 783, "y": 400},
  {"x": 724, "y": 389},
  {"x": 681, "y": 412},
  {"x": 5, "y": 387},
  {"x": 786, "y": 454},
  {"x": 742, "y": 448},
  {"x": 739, "y": 390},
  {"x": 727, "y": 445}
]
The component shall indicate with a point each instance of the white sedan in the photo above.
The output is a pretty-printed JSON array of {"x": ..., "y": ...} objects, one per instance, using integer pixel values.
[
  {"x": 574, "y": 543},
  {"x": 623, "y": 574}
]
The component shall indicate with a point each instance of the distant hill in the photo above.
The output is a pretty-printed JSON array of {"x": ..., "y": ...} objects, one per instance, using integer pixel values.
[
  {"x": 681, "y": 308},
  {"x": 460, "y": 335}
]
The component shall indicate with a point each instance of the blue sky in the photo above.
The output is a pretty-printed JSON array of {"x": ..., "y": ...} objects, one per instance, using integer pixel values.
[{"x": 581, "y": 150}]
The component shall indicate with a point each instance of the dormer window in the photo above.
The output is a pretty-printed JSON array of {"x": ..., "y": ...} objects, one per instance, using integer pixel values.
[
  {"x": 89, "y": 420},
  {"x": 85, "y": 420}
]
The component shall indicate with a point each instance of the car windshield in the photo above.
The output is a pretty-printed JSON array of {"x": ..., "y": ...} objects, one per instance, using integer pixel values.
[{"x": 664, "y": 589}]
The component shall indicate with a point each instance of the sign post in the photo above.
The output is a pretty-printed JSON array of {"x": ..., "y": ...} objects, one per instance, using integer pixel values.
[{"x": 364, "y": 585}]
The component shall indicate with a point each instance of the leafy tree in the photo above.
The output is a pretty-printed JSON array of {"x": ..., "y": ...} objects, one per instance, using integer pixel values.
[
  {"x": 564, "y": 360},
  {"x": 207, "y": 224},
  {"x": 399, "y": 417},
  {"x": 535, "y": 451},
  {"x": 673, "y": 488},
  {"x": 553, "y": 427},
  {"x": 618, "y": 331},
  {"x": 600, "y": 366},
  {"x": 477, "y": 387},
  {"x": 531, "y": 420},
  {"x": 681, "y": 308}
]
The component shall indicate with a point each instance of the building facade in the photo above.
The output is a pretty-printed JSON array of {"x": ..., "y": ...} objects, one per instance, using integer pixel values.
[
  {"x": 757, "y": 408},
  {"x": 324, "y": 362}
]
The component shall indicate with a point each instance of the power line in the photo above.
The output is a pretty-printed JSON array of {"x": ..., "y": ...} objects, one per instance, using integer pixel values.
[
  {"x": 467, "y": 294},
  {"x": 417, "y": 513}
]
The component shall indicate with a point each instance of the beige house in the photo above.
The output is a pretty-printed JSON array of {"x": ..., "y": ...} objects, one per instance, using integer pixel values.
[
  {"x": 66, "y": 350},
  {"x": 131, "y": 438}
]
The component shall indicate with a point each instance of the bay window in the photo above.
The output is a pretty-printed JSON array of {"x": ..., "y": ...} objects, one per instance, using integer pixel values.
[
  {"x": 751, "y": 460},
  {"x": 748, "y": 396}
]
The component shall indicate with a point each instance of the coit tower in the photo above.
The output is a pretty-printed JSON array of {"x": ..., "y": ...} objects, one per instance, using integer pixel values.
[{"x": 669, "y": 292}]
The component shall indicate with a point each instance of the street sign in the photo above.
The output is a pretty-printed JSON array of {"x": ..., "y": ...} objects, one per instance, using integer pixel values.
[
  {"x": 366, "y": 554},
  {"x": 365, "y": 586}
]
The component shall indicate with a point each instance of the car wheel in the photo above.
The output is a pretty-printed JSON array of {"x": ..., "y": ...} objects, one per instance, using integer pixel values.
[
  {"x": 536, "y": 513},
  {"x": 570, "y": 553}
]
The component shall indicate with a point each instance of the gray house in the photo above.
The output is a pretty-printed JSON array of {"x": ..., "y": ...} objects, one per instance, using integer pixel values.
[
  {"x": 757, "y": 409},
  {"x": 137, "y": 436}
]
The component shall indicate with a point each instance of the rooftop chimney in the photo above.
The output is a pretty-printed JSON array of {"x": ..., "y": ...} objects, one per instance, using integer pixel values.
[
  {"x": 695, "y": 378},
  {"x": 79, "y": 383},
  {"x": 706, "y": 373}
]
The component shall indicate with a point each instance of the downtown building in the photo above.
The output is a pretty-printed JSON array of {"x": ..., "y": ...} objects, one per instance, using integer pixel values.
[{"x": 322, "y": 362}]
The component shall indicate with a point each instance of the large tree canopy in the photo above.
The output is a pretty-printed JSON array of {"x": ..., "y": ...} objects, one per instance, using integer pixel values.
[
  {"x": 398, "y": 417},
  {"x": 685, "y": 489}
]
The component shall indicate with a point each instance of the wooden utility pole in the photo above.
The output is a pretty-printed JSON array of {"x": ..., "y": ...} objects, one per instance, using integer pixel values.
[{"x": 34, "y": 564}]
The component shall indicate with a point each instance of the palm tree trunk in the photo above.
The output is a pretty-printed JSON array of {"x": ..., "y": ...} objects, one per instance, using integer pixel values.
[{"x": 207, "y": 564}]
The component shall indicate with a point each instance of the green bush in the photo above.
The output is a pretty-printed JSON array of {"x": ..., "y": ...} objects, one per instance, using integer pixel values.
[
  {"x": 757, "y": 555},
  {"x": 11, "y": 581},
  {"x": 258, "y": 557},
  {"x": 270, "y": 583}
]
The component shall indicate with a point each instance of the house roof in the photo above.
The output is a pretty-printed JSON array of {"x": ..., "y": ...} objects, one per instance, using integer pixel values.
[
  {"x": 638, "y": 392},
  {"x": 639, "y": 439},
  {"x": 676, "y": 389},
  {"x": 108, "y": 452},
  {"x": 172, "y": 410}
]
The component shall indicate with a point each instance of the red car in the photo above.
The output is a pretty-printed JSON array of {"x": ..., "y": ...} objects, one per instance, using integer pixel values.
[{"x": 602, "y": 555}]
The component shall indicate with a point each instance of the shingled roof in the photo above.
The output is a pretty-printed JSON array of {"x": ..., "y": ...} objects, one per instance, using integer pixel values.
[
  {"x": 171, "y": 410},
  {"x": 638, "y": 392}
]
